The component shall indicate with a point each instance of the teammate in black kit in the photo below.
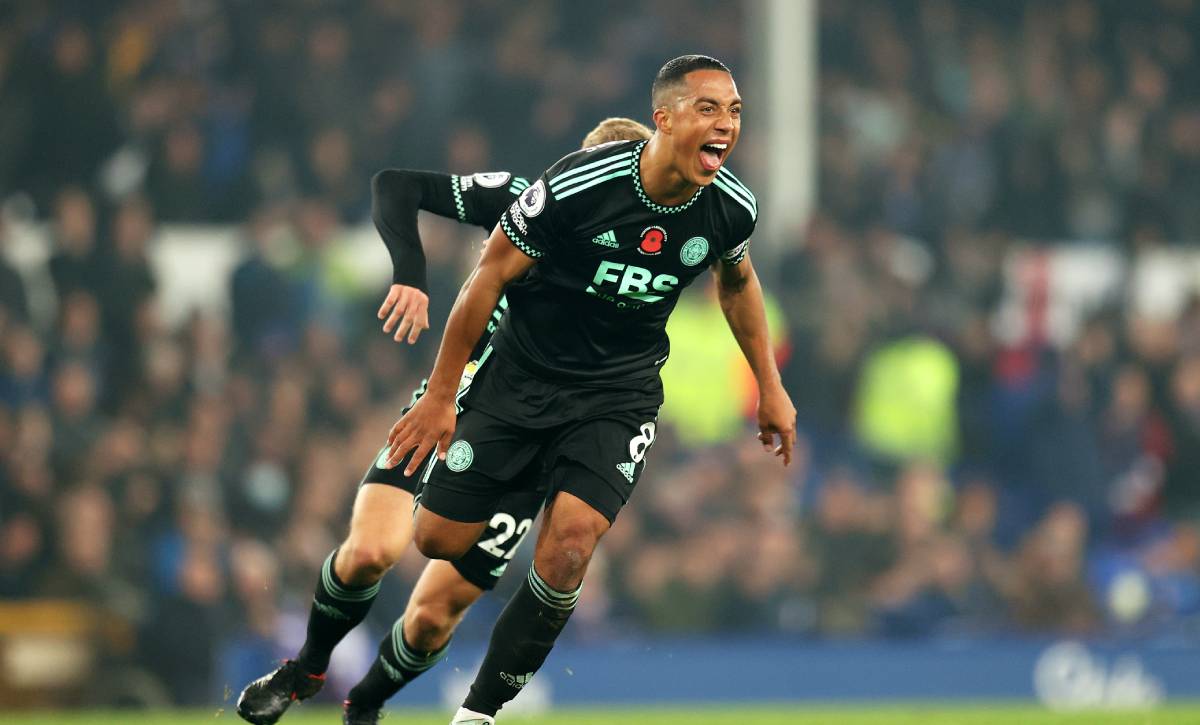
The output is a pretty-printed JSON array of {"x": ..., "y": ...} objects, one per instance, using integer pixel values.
[
  {"x": 380, "y": 528},
  {"x": 593, "y": 256}
]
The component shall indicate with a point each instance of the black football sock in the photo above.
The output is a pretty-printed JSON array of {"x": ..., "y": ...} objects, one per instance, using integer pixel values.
[
  {"x": 337, "y": 608},
  {"x": 396, "y": 665},
  {"x": 522, "y": 638}
]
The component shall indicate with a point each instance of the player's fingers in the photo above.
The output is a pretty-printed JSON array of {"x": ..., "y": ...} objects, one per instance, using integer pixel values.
[
  {"x": 397, "y": 430},
  {"x": 400, "y": 441},
  {"x": 420, "y": 324},
  {"x": 787, "y": 441},
  {"x": 397, "y": 312},
  {"x": 767, "y": 437},
  {"x": 419, "y": 455},
  {"x": 388, "y": 302},
  {"x": 398, "y": 448},
  {"x": 405, "y": 325},
  {"x": 444, "y": 444}
]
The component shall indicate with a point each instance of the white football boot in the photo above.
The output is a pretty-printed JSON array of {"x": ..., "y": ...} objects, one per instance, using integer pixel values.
[{"x": 469, "y": 717}]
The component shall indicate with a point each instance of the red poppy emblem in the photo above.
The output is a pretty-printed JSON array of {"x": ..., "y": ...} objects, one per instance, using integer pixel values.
[{"x": 652, "y": 240}]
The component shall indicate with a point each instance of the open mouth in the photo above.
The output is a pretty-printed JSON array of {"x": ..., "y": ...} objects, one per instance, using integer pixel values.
[{"x": 712, "y": 154}]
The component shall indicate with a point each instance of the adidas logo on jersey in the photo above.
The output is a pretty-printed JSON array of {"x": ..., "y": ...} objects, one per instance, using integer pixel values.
[
  {"x": 607, "y": 239},
  {"x": 626, "y": 470}
]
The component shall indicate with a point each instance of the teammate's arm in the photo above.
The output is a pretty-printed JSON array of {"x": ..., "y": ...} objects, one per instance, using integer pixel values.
[
  {"x": 741, "y": 299},
  {"x": 430, "y": 422},
  {"x": 396, "y": 197}
]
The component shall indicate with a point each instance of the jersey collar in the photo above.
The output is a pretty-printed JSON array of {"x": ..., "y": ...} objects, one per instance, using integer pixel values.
[{"x": 636, "y": 173}]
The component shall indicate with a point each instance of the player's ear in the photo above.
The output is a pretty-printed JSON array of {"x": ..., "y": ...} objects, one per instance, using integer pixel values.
[{"x": 662, "y": 119}]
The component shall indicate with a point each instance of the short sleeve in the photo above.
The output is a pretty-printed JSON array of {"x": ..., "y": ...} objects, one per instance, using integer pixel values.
[
  {"x": 741, "y": 216},
  {"x": 481, "y": 198},
  {"x": 533, "y": 222},
  {"x": 735, "y": 254}
]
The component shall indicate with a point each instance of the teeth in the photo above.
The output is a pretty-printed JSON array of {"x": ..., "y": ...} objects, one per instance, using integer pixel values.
[{"x": 721, "y": 146}]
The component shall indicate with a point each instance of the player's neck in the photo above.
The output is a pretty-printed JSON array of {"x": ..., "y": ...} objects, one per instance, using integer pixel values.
[{"x": 662, "y": 182}]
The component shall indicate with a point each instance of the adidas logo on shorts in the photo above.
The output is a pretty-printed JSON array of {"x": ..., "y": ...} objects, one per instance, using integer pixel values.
[
  {"x": 626, "y": 470},
  {"x": 517, "y": 681}
]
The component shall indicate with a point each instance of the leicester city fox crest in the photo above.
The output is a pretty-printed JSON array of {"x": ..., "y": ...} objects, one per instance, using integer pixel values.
[
  {"x": 694, "y": 251},
  {"x": 460, "y": 456}
]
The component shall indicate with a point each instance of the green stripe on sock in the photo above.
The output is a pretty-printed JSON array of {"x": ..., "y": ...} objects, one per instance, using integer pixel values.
[
  {"x": 333, "y": 589},
  {"x": 551, "y": 597},
  {"x": 412, "y": 660}
]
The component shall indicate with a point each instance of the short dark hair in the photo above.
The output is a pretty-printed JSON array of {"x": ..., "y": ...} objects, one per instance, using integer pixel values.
[{"x": 675, "y": 70}]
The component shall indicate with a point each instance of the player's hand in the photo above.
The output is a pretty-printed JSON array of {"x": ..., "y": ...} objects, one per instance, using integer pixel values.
[
  {"x": 427, "y": 427},
  {"x": 408, "y": 306},
  {"x": 777, "y": 417}
]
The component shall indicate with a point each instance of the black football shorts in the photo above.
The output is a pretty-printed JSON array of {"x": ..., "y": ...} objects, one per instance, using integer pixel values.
[
  {"x": 509, "y": 523},
  {"x": 598, "y": 459}
]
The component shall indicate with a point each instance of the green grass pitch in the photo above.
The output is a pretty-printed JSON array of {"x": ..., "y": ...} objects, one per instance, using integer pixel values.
[{"x": 900, "y": 714}]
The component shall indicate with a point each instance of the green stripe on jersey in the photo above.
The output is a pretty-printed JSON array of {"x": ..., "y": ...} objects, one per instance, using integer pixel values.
[
  {"x": 593, "y": 182},
  {"x": 559, "y": 185},
  {"x": 737, "y": 186},
  {"x": 463, "y": 389},
  {"x": 720, "y": 184},
  {"x": 737, "y": 183},
  {"x": 581, "y": 169}
]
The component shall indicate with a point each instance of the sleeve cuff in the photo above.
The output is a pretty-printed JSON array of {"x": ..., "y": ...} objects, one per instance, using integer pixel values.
[
  {"x": 517, "y": 239},
  {"x": 735, "y": 256}
]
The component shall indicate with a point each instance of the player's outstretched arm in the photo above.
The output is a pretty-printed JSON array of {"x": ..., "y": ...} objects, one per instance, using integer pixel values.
[
  {"x": 430, "y": 422},
  {"x": 741, "y": 299},
  {"x": 396, "y": 197}
]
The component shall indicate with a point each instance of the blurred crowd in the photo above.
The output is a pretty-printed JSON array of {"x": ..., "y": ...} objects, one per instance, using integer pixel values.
[
  {"x": 967, "y": 477},
  {"x": 948, "y": 481},
  {"x": 217, "y": 106}
]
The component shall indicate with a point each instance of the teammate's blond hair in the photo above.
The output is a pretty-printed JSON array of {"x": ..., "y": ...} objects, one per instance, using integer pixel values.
[{"x": 616, "y": 129}]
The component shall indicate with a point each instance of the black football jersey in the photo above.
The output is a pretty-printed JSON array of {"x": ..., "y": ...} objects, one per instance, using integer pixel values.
[
  {"x": 481, "y": 198},
  {"x": 611, "y": 264},
  {"x": 477, "y": 199}
]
